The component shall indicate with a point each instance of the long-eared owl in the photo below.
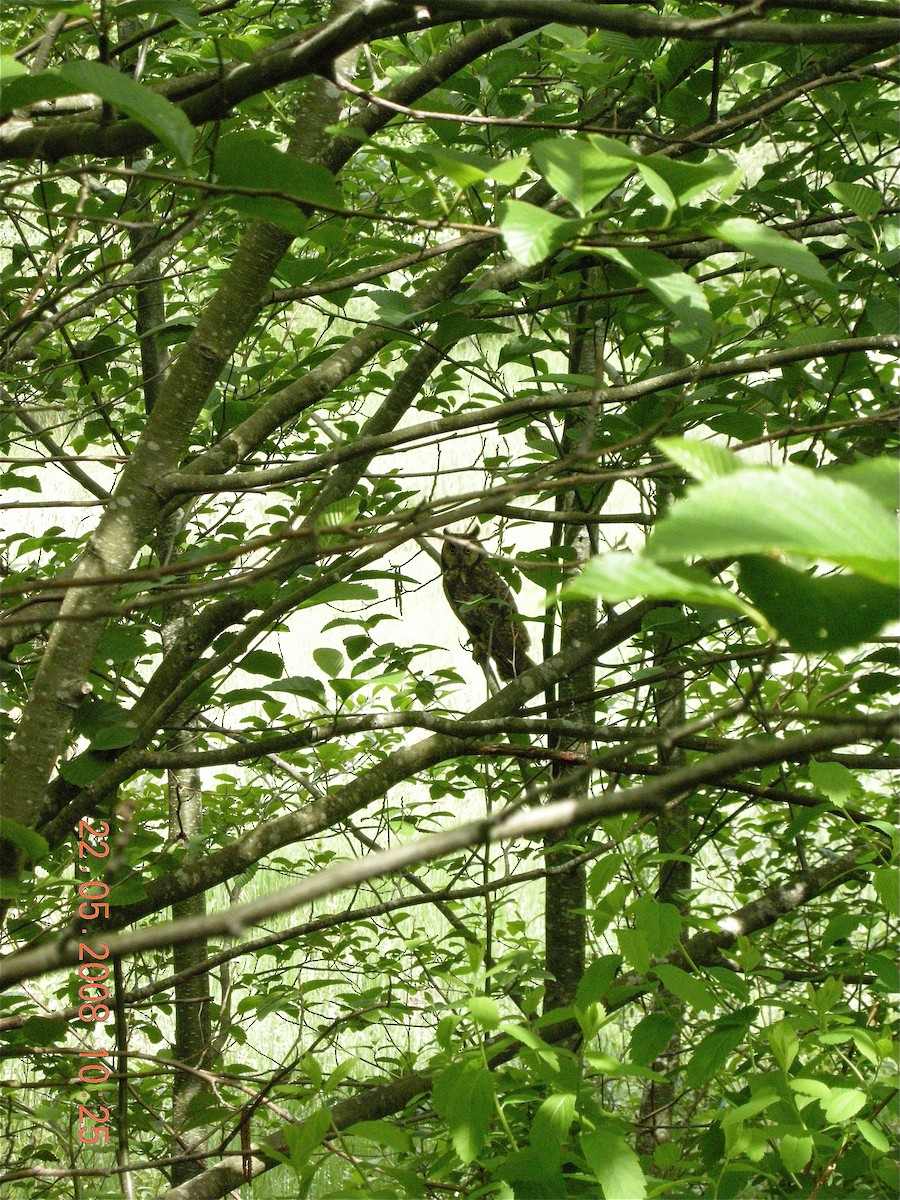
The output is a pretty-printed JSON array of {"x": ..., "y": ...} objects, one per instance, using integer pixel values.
[{"x": 484, "y": 604}]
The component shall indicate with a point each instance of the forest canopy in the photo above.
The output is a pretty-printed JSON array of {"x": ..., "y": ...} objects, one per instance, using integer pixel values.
[{"x": 448, "y": 611}]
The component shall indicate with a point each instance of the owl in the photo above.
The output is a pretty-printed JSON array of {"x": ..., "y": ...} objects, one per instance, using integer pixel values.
[{"x": 485, "y": 605}]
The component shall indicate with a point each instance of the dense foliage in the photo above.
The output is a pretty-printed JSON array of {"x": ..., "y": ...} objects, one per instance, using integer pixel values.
[{"x": 604, "y": 297}]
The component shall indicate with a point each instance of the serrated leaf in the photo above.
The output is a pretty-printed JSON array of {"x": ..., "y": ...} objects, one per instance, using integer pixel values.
[
  {"x": 843, "y": 1103},
  {"x": 484, "y": 1010},
  {"x": 790, "y": 510},
  {"x": 595, "y": 982},
  {"x": 816, "y": 613},
  {"x": 675, "y": 182},
  {"x": 634, "y": 949},
  {"x": 302, "y": 1139},
  {"x": 795, "y": 1150},
  {"x": 148, "y": 108},
  {"x": 621, "y": 576},
  {"x": 530, "y": 234},
  {"x": 677, "y": 290},
  {"x": 873, "y": 1135},
  {"x": 784, "y": 1042},
  {"x": 341, "y": 591},
  {"x": 711, "y": 1054},
  {"x": 262, "y": 662},
  {"x": 757, "y": 1105},
  {"x": 833, "y": 780},
  {"x": 885, "y": 882},
  {"x": 615, "y": 1165},
  {"x": 702, "y": 460},
  {"x": 774, "y": 249},
  {"x": 344, "y": 511},
  {"x": 860, "y": 199},
  {"x": 659, "y": 923},
  {"x": 532, "y": 1175},
  {"x": 44, "y": 1031},
  {"x": 650, "y": 1037},
  {"x": 579, "y": 170},
  {"x": 328, "y": 660},
  {"x": 246, "y": 160},
  {"x": 689, "y": 988},
  {"x": 463, "y": 1096},
  {"x": 551, "y": 1124}
]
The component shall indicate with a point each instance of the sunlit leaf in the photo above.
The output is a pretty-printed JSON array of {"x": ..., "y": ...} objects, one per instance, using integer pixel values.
[
  {"x": 615, "y": 1165},
  {"x": 531, "y": 234}
]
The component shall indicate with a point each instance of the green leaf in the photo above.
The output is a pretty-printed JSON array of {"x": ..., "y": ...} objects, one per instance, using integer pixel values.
[
  {"x": 300, "y": 685},
  {"x": 810, "y": 1087},
  {"x": 795, "y": 1150},
  {"x": 689, "y": 988},
  {"x": 22, "y": 90},
  {"x": 463, "y": 1096},
  {"x": 660, "y": 924},
  {"x": 885, "y": 882},
  {"x": 181, "y": 10},
  {"x": 615, "y": 1165},
  {"x": 873, "y": 1135},
  {"x": 634, "y": 949},
  {"x": 784, "y": 1042},
  {"x": 484, "y": 1010},
  {"x": 262, "y": 662},
  {"x": 862, "y": 200},
  {"x": 341, "y": 591},
  {"x": 247, "y": 160},
  {"x": 44, "y": 1031},
  {"x": 880, "y": 477},
  {"x": 151, "y": 110},
  {"x": 595, "y": 982},
  {"x": 551, "y": 1124},
  {"x": 757, "y": 1105},
  {"x": 621, "y": 576},
  {"x": 303, "y": 1139},
  {"x": 791, "y": 510},
  {"x": 10, "y": 68},
  {"x": 83, "y": 769},
  {"x": 774, "y": 249},
  {"x": 702, "y": 460},
  {"x": 382, "y": 1133},
  {"x": 711, "y": 1053},
  {"x": 531, "y": 234},
  {"x": 815, "y": 613},
  {"x": 34, "y": 846},
  {"x": 650, "y": 1037},
  {"x": 532, "y": 1175},
  {"x": 113, "y": 737},
  {"x": 677, "y": 290},
  {"x": 675, "y": 182},
  {"x": 579, "y": 170},
  {"x": 833, "y": 780},
  {"x": 328, "y": 660},
  {"x": 466, "y": 168},
  {"x": 843, "y": 1103}
]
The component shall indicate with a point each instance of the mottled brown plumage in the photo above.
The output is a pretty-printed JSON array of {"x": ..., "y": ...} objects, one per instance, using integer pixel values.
[{"x": 485, "y": 605}]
